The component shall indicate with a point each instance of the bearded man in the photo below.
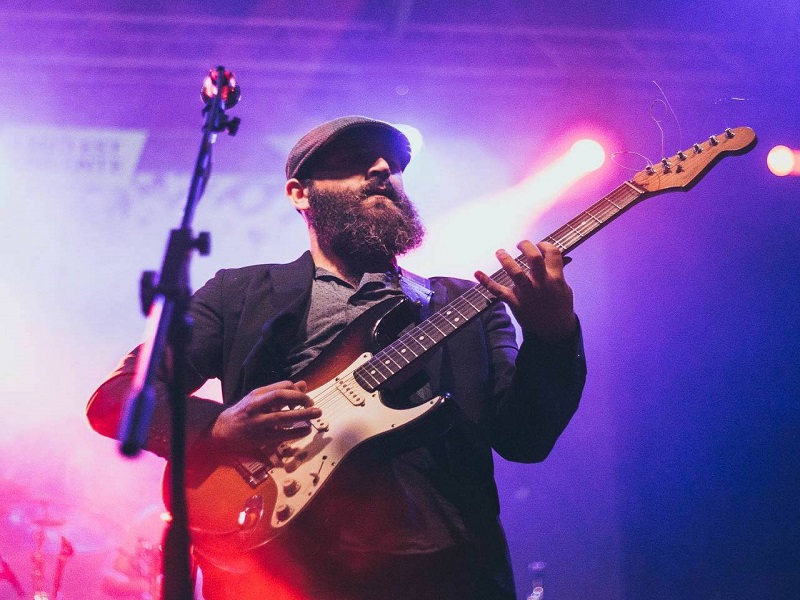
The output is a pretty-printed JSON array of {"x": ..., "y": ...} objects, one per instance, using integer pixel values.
[{"x": 412, "y": 514}]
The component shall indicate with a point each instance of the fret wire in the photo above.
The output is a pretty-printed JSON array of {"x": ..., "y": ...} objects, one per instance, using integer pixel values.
[
  {"x": 602, "y": 211},
  {"x": 399, "y": 341},
  {"x": 562, "y": 245},
  {"x": 468, "y": 302},
  {"x": 411, "y": 337},
  {"x": 589, "y": 225},
  {"x": 568, "y": 239},
  {"x": 479, "y": 294},
  {"x": 445, "y": 322},
  {"x": 583, "y": 224},
  {"x": 414, "y": 335},
  {"x": 452, "y": 308},
  {"x": 586, "y": 212},
  {"x": 363, "y": 371},
  {"x": 430, "y": 321},
  {"x": 377, "y": 366},
  {"x": 421, "y": 329},
  {"x": 616, "y": 204},
  {"x": 392, "y": 352},
  {"x": 606, "y": 209},
  {"x": 466, "y": 307}
]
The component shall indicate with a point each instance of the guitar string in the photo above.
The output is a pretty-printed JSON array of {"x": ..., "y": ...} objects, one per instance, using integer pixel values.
[
  {"x": 568, "y": 234},
  {"x": 332, "y": 399}
]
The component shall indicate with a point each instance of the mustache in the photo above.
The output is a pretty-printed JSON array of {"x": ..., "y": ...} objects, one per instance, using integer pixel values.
[{"x": 376, "y": 188}]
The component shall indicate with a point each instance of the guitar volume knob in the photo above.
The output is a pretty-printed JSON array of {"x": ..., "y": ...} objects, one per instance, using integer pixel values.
[{"x": 290, "y": 486}]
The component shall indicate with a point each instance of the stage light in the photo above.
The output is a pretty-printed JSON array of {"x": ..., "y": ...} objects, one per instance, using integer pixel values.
[
  {"x": 414, "y": 137},
  {"x": 588, "y": 155},
  {"x": 479, "y": 227},
  {"x": 782, "y": 161}
]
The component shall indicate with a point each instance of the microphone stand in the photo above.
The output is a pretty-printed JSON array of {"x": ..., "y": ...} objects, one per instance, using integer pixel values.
[{"x": 165, "y": 301}]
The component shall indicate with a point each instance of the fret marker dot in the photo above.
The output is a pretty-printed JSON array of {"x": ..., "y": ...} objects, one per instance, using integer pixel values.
[
  {"x": 386, "y": 362},
  {"x": 372, "y": 372},
  {"x": 422, "y": 337},
  {"x": 456, "y": 319},
  {"x": 403, "y": 350}
]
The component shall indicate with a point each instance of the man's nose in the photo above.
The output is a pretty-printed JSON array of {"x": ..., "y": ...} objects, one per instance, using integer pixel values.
[{"x": 380, "y": 168}]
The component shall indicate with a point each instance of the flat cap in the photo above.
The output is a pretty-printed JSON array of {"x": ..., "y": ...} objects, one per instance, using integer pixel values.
[{"x": 322, "y": 135}]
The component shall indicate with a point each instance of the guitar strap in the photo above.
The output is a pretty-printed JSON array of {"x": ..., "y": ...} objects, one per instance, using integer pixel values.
[{"x": 418, "y": 290}]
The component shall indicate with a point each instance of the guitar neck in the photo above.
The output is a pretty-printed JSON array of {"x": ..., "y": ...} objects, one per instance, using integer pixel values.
[
  {"x": 581, "y": 228},
  {"x": 423, "y": 338},
  {"x": 680, "y": 171}
]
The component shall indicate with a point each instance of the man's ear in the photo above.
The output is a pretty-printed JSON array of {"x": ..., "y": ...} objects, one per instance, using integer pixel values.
[{"x": 297, "y": 194}]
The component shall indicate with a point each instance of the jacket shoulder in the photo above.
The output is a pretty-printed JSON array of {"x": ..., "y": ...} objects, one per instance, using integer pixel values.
[{"x": 243, "y": 277}]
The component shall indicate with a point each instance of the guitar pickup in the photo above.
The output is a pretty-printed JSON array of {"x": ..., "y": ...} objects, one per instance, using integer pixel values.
[{"x": 352, "y": 391}]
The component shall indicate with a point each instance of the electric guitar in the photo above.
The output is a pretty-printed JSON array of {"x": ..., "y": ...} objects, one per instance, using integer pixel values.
[{"x": 237, "y": 504}]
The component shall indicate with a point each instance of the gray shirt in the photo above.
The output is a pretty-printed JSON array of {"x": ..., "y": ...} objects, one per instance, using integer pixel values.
[{"x": 334, "y": 304}]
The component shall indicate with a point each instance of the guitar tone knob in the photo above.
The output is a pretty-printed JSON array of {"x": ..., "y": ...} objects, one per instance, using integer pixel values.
[
  {"x": 283, "y": 511},
  {"x": 290, "y": 486}
]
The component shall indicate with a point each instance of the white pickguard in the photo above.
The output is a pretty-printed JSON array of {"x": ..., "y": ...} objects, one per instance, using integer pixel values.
[{"x": 350, "y": 415}]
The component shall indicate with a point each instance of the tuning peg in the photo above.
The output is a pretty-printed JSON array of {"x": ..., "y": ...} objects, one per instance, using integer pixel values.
[
  {"x": 666, "y": 164},
  {"x": 729, "y": 133},
  {"x": 714, "y": 141},
  {"x": 682, "y": 155},
  {"x": 697, "y": 148}
]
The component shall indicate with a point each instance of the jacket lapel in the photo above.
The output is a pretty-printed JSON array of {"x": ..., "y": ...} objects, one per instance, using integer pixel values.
[{"x": 280, "y": 305}]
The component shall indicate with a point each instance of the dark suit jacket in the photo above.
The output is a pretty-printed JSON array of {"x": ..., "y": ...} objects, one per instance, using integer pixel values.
[{"x": 516, "y": 402}]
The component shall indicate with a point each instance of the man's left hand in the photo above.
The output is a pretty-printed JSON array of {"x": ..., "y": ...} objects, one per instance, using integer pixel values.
[{"x": 539, "y": 296}]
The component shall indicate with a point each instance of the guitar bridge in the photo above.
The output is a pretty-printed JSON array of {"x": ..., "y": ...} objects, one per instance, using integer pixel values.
[{"x": 253, "y": 471}]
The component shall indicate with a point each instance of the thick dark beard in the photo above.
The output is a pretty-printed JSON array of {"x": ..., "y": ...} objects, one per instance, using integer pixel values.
[{"x": 366, "y": 239}]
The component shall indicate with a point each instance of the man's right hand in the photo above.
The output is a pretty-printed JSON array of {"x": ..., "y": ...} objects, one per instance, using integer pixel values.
[{"x": 268, "y": 414}]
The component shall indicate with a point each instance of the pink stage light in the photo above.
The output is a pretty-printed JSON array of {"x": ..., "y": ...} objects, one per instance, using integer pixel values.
[
  {"x": 479, "y": 227},
  {"x": 783, "y": 161},
  {"x": 587, "y": 155}
]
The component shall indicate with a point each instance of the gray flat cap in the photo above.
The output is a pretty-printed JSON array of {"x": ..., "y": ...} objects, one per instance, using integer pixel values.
[{"x": 324, "y": 134}]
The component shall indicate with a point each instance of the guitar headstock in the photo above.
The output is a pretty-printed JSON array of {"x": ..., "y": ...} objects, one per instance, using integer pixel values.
[{"x": 686, "y": 168}]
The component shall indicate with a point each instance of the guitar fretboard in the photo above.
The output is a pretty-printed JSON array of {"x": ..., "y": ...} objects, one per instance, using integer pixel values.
[{"x": 424, "y": 337}]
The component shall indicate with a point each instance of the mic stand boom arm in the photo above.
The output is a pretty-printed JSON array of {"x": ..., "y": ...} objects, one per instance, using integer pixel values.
[{"x": 165, "y": 301}]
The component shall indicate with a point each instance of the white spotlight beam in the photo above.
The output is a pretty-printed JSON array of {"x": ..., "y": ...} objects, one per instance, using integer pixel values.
[{"x": 465, "y": 238}]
